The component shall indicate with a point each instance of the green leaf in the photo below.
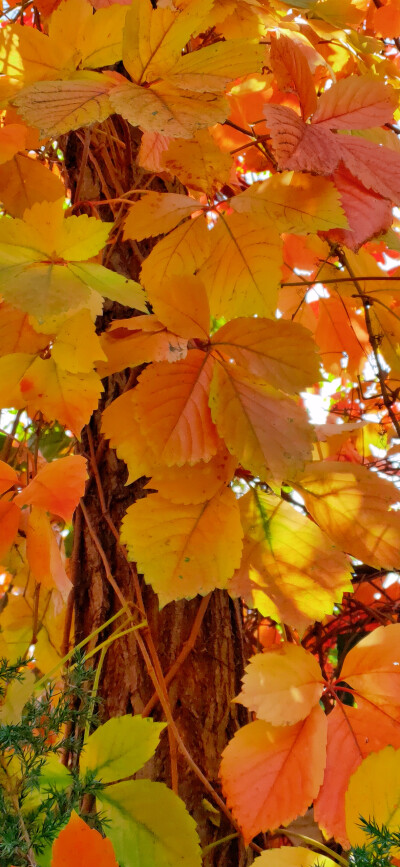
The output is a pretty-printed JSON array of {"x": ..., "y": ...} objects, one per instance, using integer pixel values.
[
  {"x": 53, "y": 775},
  {"x": 120, "y": 747},
  {"x": 150, "y": 826},
  {"x": 109, "y": 283}
]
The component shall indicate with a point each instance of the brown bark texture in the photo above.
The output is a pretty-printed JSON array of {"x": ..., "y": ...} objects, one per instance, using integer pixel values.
[{"x": 101, "y": 164}]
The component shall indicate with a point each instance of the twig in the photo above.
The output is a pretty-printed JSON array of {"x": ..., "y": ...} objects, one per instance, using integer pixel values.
[{"x": 374, "y": 342}]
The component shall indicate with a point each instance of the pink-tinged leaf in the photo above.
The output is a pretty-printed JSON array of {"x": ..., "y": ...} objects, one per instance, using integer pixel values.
[
  {"x": 292, "y": 71},
  {"x": 356, "y": 102},
  {"x": 270, "y": 774},
  {"x": 367, "y": 213},
  {"x": 152, "y": 149},
  {"x": 377, "y": 167},
  {"x": 173, "y": 412},
  {"x": 299, "y": 146},
  {"x": 57, "y": 487},
  {"x": 268, "y": 431},
  {"x": 353, "y": 733}
]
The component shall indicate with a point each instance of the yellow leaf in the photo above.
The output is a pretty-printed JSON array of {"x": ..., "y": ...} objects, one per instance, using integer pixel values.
[
  {"x": 173, "y": 412},
  {"x": 120, "y": 426},
  {"x": 156, "y": 214},
  {"x": 96, "y": 39},
  {"x": 182, "y": 252},
  {"x": 293, "y": 856},
  {"x": 45, "y": 274},
  {"x": 290, "y": 570},
  {"x": 195, "y": 484},
  {"x": 293, "y": 202},
  {"x": 351, "y": 505},
  {"x": 28, "y": 55},
  {"x": 56, "y": 107},
  {"x": 77, "y": 346},
  {"x": 270, "y": 349},
  {"x": 198, "y": 163},
  {"x": 268, "y": 431},
  {"x": 372, "y": 667},
  {"x": 17, "y": 695},
  {"x": 282, "y": 685},
  {"x": 374, "y": 793},
  {"x": 165, "y": 108},
  {"x": 264, "y": 760},
  {"x": 213, "y": 67},
  {"x": 153, "y": 38},
  {"x": 24, "y": 181},
  {"x": 243, "y": 271},
  {"x": 184, "y": 550}
]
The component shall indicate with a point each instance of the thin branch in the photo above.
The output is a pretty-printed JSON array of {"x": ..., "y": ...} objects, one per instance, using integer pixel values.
[{"x": 374, "y": 342}]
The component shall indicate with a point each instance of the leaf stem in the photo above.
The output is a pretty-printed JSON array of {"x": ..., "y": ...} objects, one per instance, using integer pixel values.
[{"x": 315, "y": 844}]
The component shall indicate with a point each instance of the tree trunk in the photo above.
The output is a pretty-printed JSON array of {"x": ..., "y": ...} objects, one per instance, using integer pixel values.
[{"x": 200, "y": 694}]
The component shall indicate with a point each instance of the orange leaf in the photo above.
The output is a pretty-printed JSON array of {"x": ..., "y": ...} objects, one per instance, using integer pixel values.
[
  {"x": 184, "y": 550},
  {"x": 24, "y": 181},
  {"x": 270, "y": 774},
  {"x": 9, "y": 521},
  {"x": 130, "y": 342},
  {"x": 182, "y": 304},
  {"x": 81, "y": 846},
  {"x": 353, "y": 733},
  {"x": 372, "y": 667},
  {"x": 173, "y": 411},
  {"x": 43, "y": 553},
  {"x": 8, "y": 477},
  {"x": 57, "y": 487},
  {"x": 282, "y": 685}
]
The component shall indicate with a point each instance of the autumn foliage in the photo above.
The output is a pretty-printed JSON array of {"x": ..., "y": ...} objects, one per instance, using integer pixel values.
[{"x": 258, "y": 347}]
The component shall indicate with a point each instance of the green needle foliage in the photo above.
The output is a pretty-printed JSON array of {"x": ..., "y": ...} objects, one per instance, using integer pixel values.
[{"x": 35, "y": 804}]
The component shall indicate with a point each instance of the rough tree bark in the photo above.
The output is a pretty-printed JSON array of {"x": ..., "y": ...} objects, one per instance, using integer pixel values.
[{"x": 102, "y": 164}]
